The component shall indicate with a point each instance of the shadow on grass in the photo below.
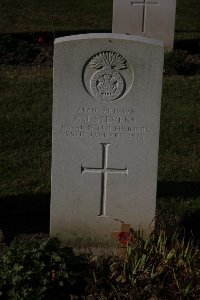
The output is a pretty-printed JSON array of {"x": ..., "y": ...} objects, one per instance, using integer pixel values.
[
  {"x": 30, "y": 214},
  {"x": 192, "y": 46},
  {"x": 46, "y": 35},
  {"x": 24, "y": 214},
  {"x": 191, "y": 224},
  {"x": 184, "y": 189},
  {"x": 188, "y": 219}
]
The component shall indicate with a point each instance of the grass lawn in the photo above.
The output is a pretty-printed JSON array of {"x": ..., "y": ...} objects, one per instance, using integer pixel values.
[
  {"x": 26, "y": 105},
  {"x": 26, "y": 102},
  {"x": 34, "y": 268},
  {"x": 66, "y": 15},
  {"x": 25, "y": 115},
  {"x": 62, "y": 15}
]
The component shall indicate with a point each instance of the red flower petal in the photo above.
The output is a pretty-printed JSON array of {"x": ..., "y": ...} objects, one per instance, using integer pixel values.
[
  {"x": 124, "y": 237},
  {"x": 40, "y": 40}
]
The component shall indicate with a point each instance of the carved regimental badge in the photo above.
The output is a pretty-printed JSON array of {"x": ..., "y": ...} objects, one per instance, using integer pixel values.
[{"x": 108, "y": 76}]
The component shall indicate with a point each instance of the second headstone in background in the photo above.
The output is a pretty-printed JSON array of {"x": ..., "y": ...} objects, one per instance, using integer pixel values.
[{"x": 150, "y": 18}]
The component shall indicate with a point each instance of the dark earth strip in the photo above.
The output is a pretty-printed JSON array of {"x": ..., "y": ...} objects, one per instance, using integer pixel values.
[{"x": 36, "y": 49}]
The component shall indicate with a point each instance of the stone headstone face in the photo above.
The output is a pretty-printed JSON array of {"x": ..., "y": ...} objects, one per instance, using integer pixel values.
[
  {"x": 150, "y": 18},
  {"x": 106, "y": 114}
]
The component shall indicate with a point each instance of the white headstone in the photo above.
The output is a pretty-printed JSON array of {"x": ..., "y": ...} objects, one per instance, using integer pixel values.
[
  {"x": 150, "y": 18},
  {"x": 106, "y": 115}
]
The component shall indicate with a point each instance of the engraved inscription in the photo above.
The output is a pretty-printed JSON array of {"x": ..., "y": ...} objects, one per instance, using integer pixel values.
[
  {"x": 104, "y": 171},
  {"x": 107, "y": 76},
  {"x": 106, "y": 123},
  {"x": 145, "y": 3}
]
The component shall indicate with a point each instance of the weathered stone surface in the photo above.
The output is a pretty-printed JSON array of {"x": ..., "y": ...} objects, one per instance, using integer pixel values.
[
  {"x": 106, "y": 115},
  {"x": 150, "y": 18}
]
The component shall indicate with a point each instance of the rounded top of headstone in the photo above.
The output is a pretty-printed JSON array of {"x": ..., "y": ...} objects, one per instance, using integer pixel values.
[{"x": 122, "y": 36}]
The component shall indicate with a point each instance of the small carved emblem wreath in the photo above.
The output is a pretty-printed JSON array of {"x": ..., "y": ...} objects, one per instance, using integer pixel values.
[{"x": 107, "y": 84}]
